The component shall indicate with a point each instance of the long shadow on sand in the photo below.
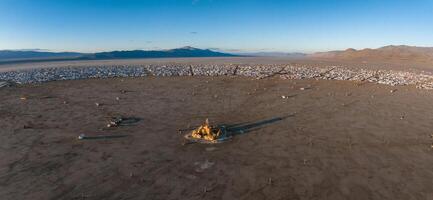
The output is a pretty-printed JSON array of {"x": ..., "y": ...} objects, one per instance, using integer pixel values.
[
  {"x": 231, "y": 130},
  {"x": 242, "y": 128}
]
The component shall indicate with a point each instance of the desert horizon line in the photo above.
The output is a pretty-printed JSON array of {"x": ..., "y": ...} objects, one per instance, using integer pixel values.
[{"x": 223, "y": 50}]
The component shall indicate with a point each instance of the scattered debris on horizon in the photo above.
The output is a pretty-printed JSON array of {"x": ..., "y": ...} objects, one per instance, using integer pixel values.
[{"x": 421, "y": 80}]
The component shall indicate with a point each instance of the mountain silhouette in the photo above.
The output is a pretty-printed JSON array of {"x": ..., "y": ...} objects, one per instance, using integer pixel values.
[
  {"x": 33, "y": 54},
  {"x": 172, "y": 53},
  {"x": 386, "y": 53},
  {"x": 12, "y": 56}
]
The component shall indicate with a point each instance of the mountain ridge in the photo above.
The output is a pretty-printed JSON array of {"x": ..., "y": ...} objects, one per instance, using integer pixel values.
[
  {"x": 187, "y": 51},
  {"x": 387, "y": 53},
  {"x": 169, "y": 53},
  {"x": 390, "y": 53},
  {"x": 29, "y": 54}
]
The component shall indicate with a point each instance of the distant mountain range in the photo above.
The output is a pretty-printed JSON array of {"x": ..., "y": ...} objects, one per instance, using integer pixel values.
[
  {"x": 387, "y": 53},
  {"x": 172, "y": 53},
  {"x": 10, "y": 56},
  {"x": 390, "y": 53},
  {"x": 35, "y": 54}
]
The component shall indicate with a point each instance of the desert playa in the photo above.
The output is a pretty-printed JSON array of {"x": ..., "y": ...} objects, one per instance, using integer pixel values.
[
  {"x": 216, "y": 100},
  {"x": 302, "y": 139}
]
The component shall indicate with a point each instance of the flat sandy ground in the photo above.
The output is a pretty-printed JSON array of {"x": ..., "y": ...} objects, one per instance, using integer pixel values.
[
  {"x": 384, "y": 64},
  {"x": 336, "y": 140}
]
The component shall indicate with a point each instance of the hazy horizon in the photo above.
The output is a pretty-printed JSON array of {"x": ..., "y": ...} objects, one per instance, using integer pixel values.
[
  {"x": 221, "y": 25},
  {"x": 212, "y": 49}
]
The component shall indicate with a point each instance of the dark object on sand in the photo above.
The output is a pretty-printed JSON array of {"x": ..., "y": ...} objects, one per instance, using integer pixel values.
[
  {"x": 122, "y": 121},
  {"x": 84, "y": 137},
  {"x": 27, "y": 127}
]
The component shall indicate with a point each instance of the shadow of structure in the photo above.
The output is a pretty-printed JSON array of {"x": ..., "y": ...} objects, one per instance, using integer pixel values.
[
  {"x": 97, "y": 137},
  {"x": 129, "y": 121},
  {"x": 226, "y": 131},
  {"x": 124, "y": 121},
  {"x": 242, "y": 128}
]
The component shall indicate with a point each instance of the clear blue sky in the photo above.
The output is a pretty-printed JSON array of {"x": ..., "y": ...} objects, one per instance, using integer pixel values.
[{"x": 231, "y": 25}]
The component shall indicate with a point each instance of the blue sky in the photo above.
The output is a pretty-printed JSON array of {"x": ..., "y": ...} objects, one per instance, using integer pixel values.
[{"x": 228, "y": 25}]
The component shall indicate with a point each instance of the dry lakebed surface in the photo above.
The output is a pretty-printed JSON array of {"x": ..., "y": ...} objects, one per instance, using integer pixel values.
[{"x": 303, "y": 138}]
